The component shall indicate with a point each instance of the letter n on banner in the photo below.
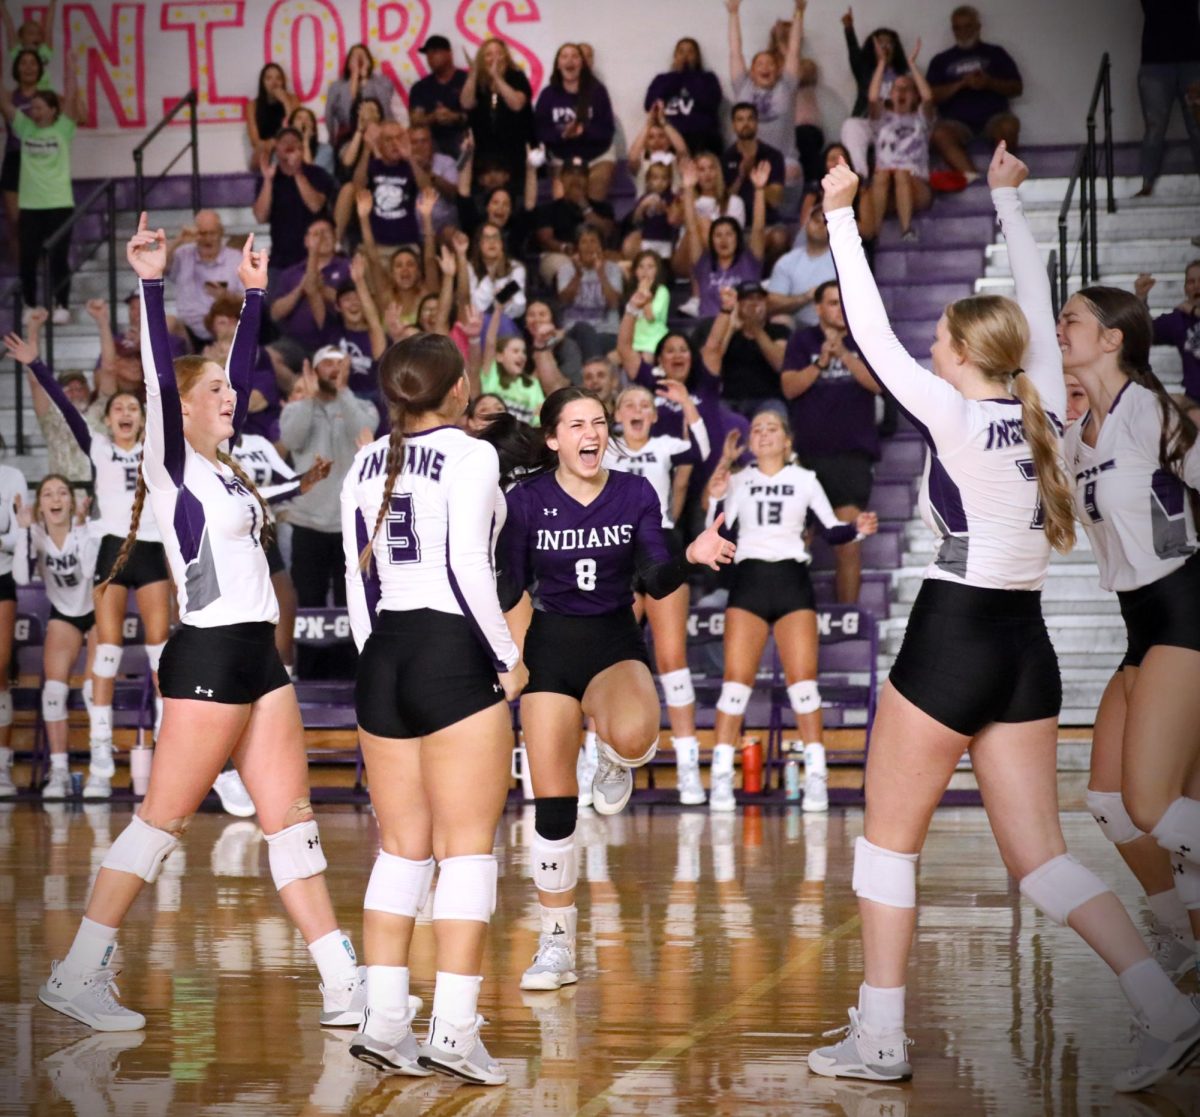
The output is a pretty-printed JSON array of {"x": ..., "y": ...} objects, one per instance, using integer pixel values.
[
  {"x": 110, "y": 60},
  {"x": 305, "y": 37},
  {"x": 200, "y": 19}
]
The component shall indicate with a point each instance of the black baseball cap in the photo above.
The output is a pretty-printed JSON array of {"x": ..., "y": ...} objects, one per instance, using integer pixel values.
[
  {"x": 748, "y": 288},
  {"x": 434, "y": 42}
]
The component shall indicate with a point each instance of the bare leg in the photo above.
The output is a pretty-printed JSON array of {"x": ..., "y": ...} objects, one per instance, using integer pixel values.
[
  {"x": 745, "y": 638},
  {"x": 63, "y": 642},
  {"x": 668, "y": 623},
  {"x": 624, "y": 703},
  {"x": 904, "y": 199},
  {"x": 285, "y": 630},
  {"x": 796, "y": 638},
  {"x": 848, "y": 557},
  {"x": 947, "y": 141}
]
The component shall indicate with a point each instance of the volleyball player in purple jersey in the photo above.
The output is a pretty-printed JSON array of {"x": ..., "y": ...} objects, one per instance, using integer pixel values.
[{"x": 577, "y": 535}]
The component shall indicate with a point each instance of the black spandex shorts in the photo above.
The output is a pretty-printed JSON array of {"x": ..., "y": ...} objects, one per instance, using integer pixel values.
[
  {"x": 1164, "y": 612},
  {"x": 420, "y": 671},
  {"x": 771, "y": 589},
  {"x": 846, "y": 478},
  {"x": 147, "y": 563},
  {"x": 275, "y": 563},
  {"x": 8, "y": 587},
  {"x": 973, "y": 656},
  {"x": 564, "y": 654},
  {"x": 10, "y": 172},
  {"x": 234, "y": 664},
  {"x": 84, "y": 623}
]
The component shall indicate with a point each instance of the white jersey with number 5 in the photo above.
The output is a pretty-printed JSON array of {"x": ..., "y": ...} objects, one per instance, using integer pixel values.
[
  {"x": 436, "y": 545},
  {"x": 654, "y": 461}
]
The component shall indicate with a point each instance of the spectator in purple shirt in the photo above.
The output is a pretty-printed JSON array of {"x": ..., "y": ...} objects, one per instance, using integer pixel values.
[
  {"x": 691, "y": 98},
  {"x": 1180, "y": 328},
  {"x": 731, "y": 258},
  {"x": 574, "y": 119},
  {"x": 302, "y": 296},
  {"x": 832, "y": 395},
  {"x": 972, "y": 83},
  {"x": 393, "y": 182},
  {"x": 746, "y": 153},
  {"x": 435, "y": 99},
  {"x": 290, "y": 196}
]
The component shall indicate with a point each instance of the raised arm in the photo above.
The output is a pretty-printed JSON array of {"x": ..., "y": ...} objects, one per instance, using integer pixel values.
[
  {"x": 239, "y": 365},
  {"x": 628, "y": 356},
  {"x": 737, "y": 56},
  {"x": 1043, "y": 359},
  {"x": 27, "y": 353},
  {"x": 163, "y": 452},
  {"x": 940, "y": 412},
  {"x": 757, "y": 239},
  {"x": 791, "y": 59},
  {"x": 48, "y": 23}
]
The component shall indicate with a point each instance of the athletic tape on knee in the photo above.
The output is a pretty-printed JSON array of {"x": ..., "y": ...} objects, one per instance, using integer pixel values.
[
  {"x": 555, "y": 816},
  {"x": 1178, "y": 831},
  {"x": 805, "y": 696},
  {"x": 677, "y": 687},
  {"x": 140, "y": 849},
  {"x": 625, "y": 761},
  {"x": 54, "y": 700},
  {"x": 1186, "y": 876},
  {"x": 1108, "y": 809},
  {"x": 1060, "y": 886},
  {"x": 295, "y": 853},
  {"x": 6, "y": 709},
  {"x": 107, "y": 661},
  {"x": 734, "y": 698},
  {"x": 884, "y": 876},
  {"x": 154, "y": 654},
  {"x": 398, "y": 886},
  {"x": 553, "y": 864},
  {"x": 466, "y": 888}
]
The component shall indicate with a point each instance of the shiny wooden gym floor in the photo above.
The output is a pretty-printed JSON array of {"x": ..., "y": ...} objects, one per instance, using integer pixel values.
[{"x": 694, "y": 998}]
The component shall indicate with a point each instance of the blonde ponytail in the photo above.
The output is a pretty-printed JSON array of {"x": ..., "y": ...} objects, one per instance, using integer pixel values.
[{"x": 1054, "y": 487}]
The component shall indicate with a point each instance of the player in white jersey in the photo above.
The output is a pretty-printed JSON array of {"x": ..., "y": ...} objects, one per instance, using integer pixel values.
[
  {"x": 278, "y": 483},
  {"x": 652, "y": 457},
  {"x": 770, "y": 504},
  {"x": 13, "y": 490},
  {"x": 1136, "y": 465},
  {"x": 976, "y": 669},
  {"x": 225, "y": 690},
  {"x": 421, "y": 510},
  {"x": 55, "y": 544},
  {"x": 116, "y": 463}
]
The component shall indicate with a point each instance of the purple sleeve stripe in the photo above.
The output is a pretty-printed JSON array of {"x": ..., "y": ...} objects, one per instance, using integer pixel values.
[
  {"x": 283, "y": 492},
  {"x": 370, "y": 577},
  {"x": 497, "y": 663},
  {"x": 78, "y": 424},
  {"x": 155, "y": 323},
  {"x": 242, "y": 354},
  {"x": 840, "y": 533}
]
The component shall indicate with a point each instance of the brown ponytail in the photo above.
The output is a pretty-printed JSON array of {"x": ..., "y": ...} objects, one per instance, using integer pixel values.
[
  {"x": 139, "y": 499},
  {"x": 395, "y": 456},
  {"x": 266, "y": 534},
  {"x": 992, "y": 331}
]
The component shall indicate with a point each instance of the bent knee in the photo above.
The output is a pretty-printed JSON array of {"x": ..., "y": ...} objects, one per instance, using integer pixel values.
[
  {"x": 299, "y": 811},
  {"x": 176, "y": 827}
]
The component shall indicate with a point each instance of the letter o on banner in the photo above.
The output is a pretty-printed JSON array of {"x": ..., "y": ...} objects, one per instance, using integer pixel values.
[{"x": 306, "y": 38}]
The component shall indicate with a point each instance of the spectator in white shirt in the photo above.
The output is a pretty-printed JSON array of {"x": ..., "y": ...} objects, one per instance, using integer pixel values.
[{"x": 797, "y": 274}]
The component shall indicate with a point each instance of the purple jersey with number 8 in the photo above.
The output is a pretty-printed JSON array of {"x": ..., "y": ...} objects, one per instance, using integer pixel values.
[{"x": 579, "y": 560}]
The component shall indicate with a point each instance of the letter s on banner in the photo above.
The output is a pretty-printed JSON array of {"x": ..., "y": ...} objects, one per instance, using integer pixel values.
[{"x": 479, "y": 19}]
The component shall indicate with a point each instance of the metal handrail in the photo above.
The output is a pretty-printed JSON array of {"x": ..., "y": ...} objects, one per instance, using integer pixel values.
[
  {"x": 108, "y": 190},
  {"x": 1084, "y": 174},
  {"x": 141, "y": 190}
]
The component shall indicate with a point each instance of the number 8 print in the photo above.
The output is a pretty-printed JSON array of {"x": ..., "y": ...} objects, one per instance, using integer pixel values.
[
  {"x": 585, "y": 574},
  {"x": 403, "y": 544}
]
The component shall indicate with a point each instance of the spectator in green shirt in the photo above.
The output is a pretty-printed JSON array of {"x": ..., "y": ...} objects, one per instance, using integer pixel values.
[
  {"x": 34, "y": 34},
  {"x": 45, "y": 198}
]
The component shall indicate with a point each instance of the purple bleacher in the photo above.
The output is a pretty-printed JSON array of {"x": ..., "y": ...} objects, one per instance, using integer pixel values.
[
  {"x": 912, "y": 298},
  {"x": 882, "y": 551},
  {"x": 875, "y": 592},
  {"x": 902, "y": 457},
  {"x": 892, "y": 500}
]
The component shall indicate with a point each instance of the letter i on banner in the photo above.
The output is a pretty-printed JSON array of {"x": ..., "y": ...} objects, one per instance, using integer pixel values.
[
  {"x": 110, "y": 60},
  {"x": 480, "y": 19},
  {"x": 200, "y": 19},
  {"x": 394, "y": 29},
  {"x": 306, "y": 38}
]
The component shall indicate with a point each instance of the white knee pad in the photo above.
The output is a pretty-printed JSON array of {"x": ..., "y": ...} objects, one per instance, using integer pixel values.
[
  {"x": 295, "y": 854},
  {"x": 1061, "y": 885},
  {"x": 107, "y": 661},
  {"x": 734, "y": 698},
  {"x": 154, "y": 654},
  {"x": 54, "y": 700},
  {"x": 1187, "y": 882},
  {"x": 805, "y": 696},
  {"x": 5, "y": 708},
  {"x": 466, "y": 888},
  {"x": 677, "y": 687},
  {"x": 1178, "y": 831},
  {"x": 398, "y": 886},
  {"x": 884, "y": 876},
  {"x": 140, "y": 849},
  {"x": 1110, "y": 814},
  {"x": 554, "y": 864}
]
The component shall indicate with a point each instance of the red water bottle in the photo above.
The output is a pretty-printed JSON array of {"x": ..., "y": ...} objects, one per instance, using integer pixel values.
[{"x": 752, "y": 765}]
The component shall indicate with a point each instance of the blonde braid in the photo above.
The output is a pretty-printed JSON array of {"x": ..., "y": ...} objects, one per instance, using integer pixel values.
[
  {"x": 139, "y": 499},
  {"x": 395, "y": 457}
]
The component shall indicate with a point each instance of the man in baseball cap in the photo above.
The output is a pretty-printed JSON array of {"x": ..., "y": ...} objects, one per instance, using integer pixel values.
[{"x": 434, "y": 100}]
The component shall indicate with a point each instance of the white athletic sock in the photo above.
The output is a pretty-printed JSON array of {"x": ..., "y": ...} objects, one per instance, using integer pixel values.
[
  {"x": 92, "y": 949},
  {"x": 687, "y": 751},
  {"x": 335, "y": 958},
  {"x": 5, "y": 757},
  {"x": 1167, "y": 908},
  {"x": 881, "y": 1010},
  {"x": 589, "y": 743},
  {"x": 560, "y": 921},
  {"x": 1155, "y": 998},
  {"x": 814, "y": 759},
  {"x": 455, "y": 999},
  {"x": 101, "y": 729},
  {"x": 722, "y": 758},
  {"x": 387, "y": 995},
  {"x": 60, "y": 760}
]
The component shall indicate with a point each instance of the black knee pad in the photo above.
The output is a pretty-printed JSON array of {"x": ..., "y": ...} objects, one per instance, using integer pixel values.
[{"x": 554, "y": 817}]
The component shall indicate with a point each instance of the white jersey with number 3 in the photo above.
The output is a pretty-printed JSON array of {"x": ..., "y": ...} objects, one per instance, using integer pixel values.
[{"x": 436, "y": 544}]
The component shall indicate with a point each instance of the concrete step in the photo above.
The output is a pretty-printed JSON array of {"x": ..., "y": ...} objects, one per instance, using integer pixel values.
[
  {"x": 1164, "y": 257},
  {"x": 1130, "y": 223},
  {"x": 1166, "y": 294}
]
